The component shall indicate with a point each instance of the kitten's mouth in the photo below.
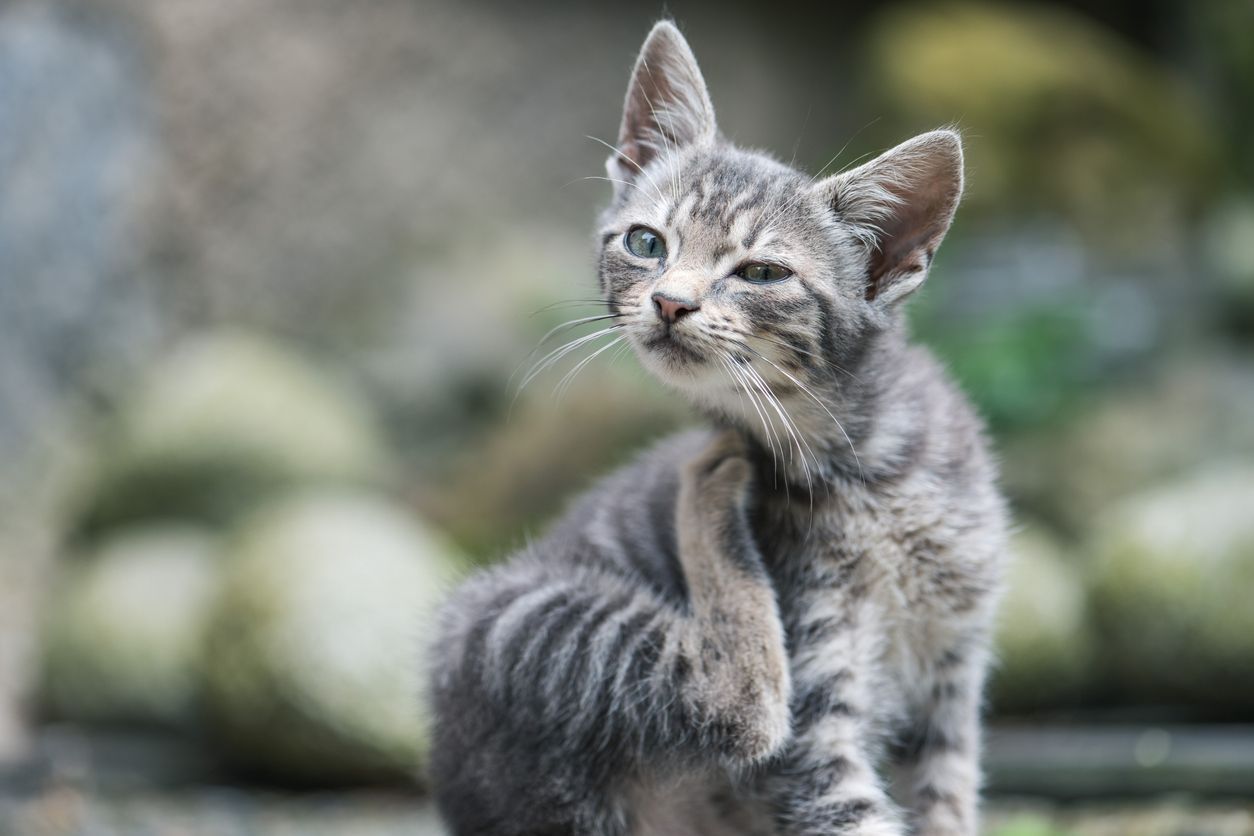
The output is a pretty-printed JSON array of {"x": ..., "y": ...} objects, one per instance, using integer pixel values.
[{"x": 671, "y": 346}]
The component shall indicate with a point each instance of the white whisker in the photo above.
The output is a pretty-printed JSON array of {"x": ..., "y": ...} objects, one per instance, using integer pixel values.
[
  {"x": 561, "y": 351},
  {"x": 561, "y": 303},
  {"x": 564, "y": 384},
  {"x": 789, "y": 347},
  {"x": 767, "y": 429},
  {"x": 790, "y": 427},
  {"x": 565, "y": 326},
  {"x": 810, "y": 393}
]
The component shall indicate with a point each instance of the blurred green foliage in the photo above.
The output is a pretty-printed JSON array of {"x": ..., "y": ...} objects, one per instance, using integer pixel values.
[
  {"x": 512, "y": 480},
  {"x": 1059, "y": 114},
  {"x": 1023, "y": 367},
  {"x": 1221, "y": 29}
]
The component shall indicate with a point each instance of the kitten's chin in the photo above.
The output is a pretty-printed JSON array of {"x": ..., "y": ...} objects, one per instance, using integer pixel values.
[{"x": 680, "y": 366}]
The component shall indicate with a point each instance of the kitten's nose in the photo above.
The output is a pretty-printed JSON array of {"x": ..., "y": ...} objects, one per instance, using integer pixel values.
[{"x": 672, "y": 310}]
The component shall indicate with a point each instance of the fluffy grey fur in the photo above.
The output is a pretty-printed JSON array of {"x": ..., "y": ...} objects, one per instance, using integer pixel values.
[{"x": 779, "y": 625}]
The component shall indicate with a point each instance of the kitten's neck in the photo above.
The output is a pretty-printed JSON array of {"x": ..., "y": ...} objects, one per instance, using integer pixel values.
[{"x": 863, "y": 424}]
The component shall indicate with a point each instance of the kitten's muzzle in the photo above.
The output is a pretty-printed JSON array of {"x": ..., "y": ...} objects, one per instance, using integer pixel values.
[{"x": 670, "y": 310}]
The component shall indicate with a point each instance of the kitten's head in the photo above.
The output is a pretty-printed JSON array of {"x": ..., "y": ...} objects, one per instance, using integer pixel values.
[{"x": 725, "y": 264}]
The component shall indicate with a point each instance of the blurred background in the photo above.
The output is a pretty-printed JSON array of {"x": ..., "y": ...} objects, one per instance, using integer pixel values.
[{"x": 266, "y": 270}]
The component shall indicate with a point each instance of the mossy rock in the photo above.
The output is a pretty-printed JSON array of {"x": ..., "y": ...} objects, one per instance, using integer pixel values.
[
  {"x": 125, "y": 626},
  {"x": 227, "y": 420},
  {"x": 545, "y": 453},
  {"x": 1172, "y": 574},
  {"x": 313, "y": 669},
  {"x": 1044, "y": 643},
  {"x": 1194, "y": 410}
]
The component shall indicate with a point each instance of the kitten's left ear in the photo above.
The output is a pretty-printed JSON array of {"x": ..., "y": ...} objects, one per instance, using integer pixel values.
[
  {"x": 667, "y": 104},
  {"x": 901, "y": 205}
]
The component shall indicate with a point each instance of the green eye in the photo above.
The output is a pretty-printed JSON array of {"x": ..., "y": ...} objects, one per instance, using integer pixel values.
[
  {"x": 762, "y": 273},
  {"x": 644, "y": 242}
]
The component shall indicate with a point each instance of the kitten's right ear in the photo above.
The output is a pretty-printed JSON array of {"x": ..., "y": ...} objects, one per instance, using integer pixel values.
[{"x": 667, "y": 104}]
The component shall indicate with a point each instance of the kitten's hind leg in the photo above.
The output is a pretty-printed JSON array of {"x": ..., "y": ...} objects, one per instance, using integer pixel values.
[{"x": 555, "y": 679}]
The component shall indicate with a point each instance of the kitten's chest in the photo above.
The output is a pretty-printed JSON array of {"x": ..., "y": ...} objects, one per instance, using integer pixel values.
[
  {"x": 859, "y": 548},
  {"x": 899, "y": 579}
]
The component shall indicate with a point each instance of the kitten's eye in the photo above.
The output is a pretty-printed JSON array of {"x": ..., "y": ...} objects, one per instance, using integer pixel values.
[
  {"x": 644, "y": 242},
  {"x": 762, "y": 273}
]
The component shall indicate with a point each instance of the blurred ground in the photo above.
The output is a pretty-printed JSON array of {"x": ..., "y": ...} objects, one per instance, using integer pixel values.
[
  {"x": 150, "y": 786},
  {"x": 227, "y": 811}
]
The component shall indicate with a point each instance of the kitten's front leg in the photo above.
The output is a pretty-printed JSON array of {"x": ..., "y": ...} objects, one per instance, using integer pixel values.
[
  {"x": 827, "y": 783},
  {"x": 942, "y": 766},
  {"x": 740, "y": 687}
]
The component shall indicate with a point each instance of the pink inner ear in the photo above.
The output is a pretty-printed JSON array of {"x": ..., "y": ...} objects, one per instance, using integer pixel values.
[
  {"x": 901, "y": 255},
  {"x": 911, "y": 236}
]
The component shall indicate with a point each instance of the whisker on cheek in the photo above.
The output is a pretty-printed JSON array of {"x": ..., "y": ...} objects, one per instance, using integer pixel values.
[
  {"x": 557, "y": 329},
  {"x": 810, "y": 393},
  {"x": 823, "y": 362},
  {"x": 557, "y": 354},
  {"x": 564, "y": 384},
  {"x": 571, "y": 303},
  {"x": 768, "y": 430},
  {"x": 790, "y": 427}
]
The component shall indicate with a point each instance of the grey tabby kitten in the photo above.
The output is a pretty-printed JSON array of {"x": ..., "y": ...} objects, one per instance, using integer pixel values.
[{"x": 781, "y": 625}]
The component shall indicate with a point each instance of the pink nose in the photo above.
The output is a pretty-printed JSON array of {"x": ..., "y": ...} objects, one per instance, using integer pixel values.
[{"x": 672, "y": 310}]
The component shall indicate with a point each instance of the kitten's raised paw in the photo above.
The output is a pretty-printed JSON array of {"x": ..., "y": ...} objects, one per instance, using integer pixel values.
[{"x": 722, "y": 468}]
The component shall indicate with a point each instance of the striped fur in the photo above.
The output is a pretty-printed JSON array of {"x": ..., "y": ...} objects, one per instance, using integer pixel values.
[{"x": 744, "y": 630}]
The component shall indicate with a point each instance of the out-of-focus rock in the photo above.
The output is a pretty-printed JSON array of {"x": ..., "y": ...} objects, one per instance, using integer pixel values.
[
  {"x": 547, "y": 450},
  {"x": 225, "y": 421},
  {"x": 1044, "y": 644},
  {"x": 1195, "y": 411},
  {"x": 1172, "y": 573},
  {"x": 125, "y": 628},
  {"x": 314, "y": 660}
]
